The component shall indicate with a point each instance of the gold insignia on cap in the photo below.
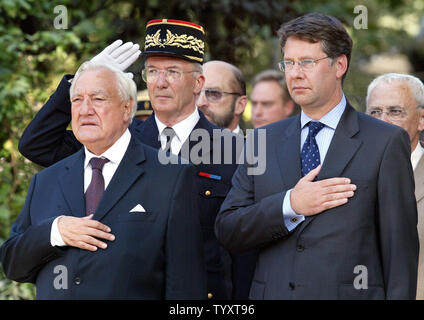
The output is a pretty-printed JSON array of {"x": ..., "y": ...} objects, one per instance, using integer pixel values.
[{"x": 175, "y": 40}]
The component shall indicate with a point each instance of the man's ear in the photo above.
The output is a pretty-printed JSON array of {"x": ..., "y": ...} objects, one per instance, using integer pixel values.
[
  {"x": 421, "y": 121},
  {"x": 128, "y": 107},
  {"x": 199, "y": 82},
  {"x": 241, "y": 103},
  {"x": 341, "y": 65}
]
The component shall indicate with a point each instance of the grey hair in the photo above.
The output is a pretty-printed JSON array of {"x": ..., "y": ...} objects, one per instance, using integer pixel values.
[
  {"x": 198, "y": 67},
  {"x": 127, "y": 88},
  {"x": 414, "y": 84}
]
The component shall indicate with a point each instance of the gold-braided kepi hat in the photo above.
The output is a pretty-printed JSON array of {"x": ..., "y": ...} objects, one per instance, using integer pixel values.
[{"x": 177, "y": 38}]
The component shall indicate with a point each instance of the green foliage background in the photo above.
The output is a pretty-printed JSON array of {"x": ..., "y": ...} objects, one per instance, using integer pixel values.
[{"x": 34, "y": 56}]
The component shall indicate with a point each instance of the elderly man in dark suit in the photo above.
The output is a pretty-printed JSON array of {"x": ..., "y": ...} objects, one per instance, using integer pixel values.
[
  {"x": 173, "y": 56},
  {"x": 111, "y": 218},
  {"x": 343, "y": 230},
  {"x": 399, "y": 99}
]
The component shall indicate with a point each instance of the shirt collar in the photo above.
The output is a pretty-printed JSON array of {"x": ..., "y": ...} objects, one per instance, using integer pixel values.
[
  {"x": 416, "y": 155},
  {"x": 115, "y": 153},
  {"x": 331, "y": 119},
  {"x": 183, "y": 128},
  {"x": 236, "y": 130}
]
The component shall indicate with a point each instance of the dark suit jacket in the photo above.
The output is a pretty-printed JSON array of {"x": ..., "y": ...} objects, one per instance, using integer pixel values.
[
  {"x": 46, "y": 141},
  {"x": 376, "y": 229},
  {"x": 155, "y": 255}
]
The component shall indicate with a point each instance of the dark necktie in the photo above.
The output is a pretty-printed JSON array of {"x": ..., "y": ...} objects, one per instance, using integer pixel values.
[
  {"x": 97, "y": 186},
  {"x": 169, "y": 134},
  {"x": 310, "y": 152}
]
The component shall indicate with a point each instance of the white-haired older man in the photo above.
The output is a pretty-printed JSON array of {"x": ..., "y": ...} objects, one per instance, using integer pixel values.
[
  {"x": 399, "y": 99},
  {"x": 108, "y": 222}
]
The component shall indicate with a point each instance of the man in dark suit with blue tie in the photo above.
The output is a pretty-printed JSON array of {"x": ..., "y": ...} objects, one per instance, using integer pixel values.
[
  {"x": 110, "y": 221},
  {"x": 334, "y": 214},
  {"x": 173, "y": 55}
]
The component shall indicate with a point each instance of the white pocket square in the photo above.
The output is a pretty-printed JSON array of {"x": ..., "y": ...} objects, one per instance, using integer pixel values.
[{"x": 138, "y": 208}]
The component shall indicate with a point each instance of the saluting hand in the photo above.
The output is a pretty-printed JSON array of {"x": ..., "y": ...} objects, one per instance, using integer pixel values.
[{"x": 119, "y": 55}]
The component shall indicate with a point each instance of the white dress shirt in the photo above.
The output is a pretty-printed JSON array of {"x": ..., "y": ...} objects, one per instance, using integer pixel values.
[
  {"x": 237, "y": 130},
  {"x": 323, "y": 139},
  {"x": 182, "y": 131},
  {"x": 416, "y": 155},
  {"x": 115, "y": 154}
]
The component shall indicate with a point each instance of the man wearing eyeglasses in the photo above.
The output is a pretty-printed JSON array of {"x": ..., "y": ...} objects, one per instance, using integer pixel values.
[
  {"x": 173, "y": 57},
  {"x": 334, "y": 215},
  {"x": 223, "y": 97},
  {"x": 399, "y": 99}
]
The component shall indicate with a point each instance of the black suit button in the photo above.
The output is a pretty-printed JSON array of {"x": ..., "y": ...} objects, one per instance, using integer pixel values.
[
  {"x": 77, "y": 280},
  {"x": 300, "y": 248},
  {"x": 291, "y": 285}
]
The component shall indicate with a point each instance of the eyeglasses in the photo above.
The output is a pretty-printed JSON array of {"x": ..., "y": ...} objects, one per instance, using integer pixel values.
[
  {"x": 214, "y": 95},
  {"x": 151, "y": 75},
  {"x": 305, "y": 64},
  {"x": 392, "y": 114}
]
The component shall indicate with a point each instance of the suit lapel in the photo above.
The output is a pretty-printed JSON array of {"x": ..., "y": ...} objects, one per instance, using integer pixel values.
[
  {"x": 288, "y": 154},
  {"x": 72, "y": 184},
  {"x": 341, "y": 150},
  {"x": 129, "y": 170},
  {"x": 342, "y": 147},
  {"x": 419, "y": 179}
]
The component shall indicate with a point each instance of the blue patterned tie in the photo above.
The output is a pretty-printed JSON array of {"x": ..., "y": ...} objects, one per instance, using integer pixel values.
[{"x": 310, "y": 152}]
